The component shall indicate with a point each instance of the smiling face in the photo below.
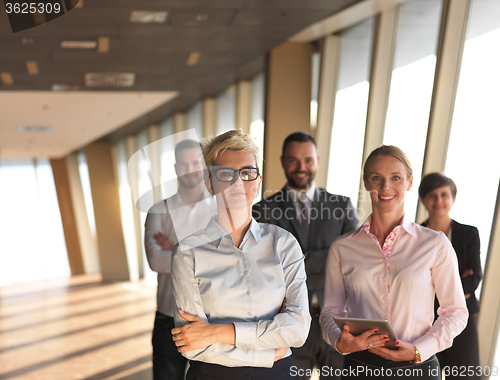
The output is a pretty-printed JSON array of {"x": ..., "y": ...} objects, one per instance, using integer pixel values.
[
  {"x": 237, "y": 193},
  {"x": 386, "y": 178},
  {"x": 439, "y": 201},
  {"x": 300, "y": 162}
]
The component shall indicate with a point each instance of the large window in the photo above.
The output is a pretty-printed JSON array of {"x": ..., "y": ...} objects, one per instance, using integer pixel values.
[
  {"x": 127, "y": 209},
  {"x": 351, "y": 100},
  {"x": 473, "y": 154},
  {"x": 473, "y": 157},
  {"x": 194, "y": 119},
  {"x": 167, "y": 159},
  {"x": 257, "y": 119},
  {"x": 32, "y": 244},
  {"x": 226, "y": 110},
  {"x": 411, "y": 86}
]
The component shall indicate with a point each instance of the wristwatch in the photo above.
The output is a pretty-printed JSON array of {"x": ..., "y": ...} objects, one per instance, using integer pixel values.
[{"x": 417, "y": 359}]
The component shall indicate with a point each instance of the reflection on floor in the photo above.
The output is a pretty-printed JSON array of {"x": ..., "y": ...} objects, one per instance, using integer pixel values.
[{"x": 78, "y": 328}]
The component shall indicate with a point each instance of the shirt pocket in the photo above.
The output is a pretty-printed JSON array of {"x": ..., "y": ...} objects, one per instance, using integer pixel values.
[{"x": 204, "y": 285}]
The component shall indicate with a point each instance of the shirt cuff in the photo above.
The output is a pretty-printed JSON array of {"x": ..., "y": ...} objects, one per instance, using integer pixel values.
[
  {"x": 245, "y": 335},
  {"x": 263, "y": 358},
  {"x": 426, "y": 347}
]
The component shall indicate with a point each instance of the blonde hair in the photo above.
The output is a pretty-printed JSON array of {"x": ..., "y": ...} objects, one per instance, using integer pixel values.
[
  {"x": 234, "y": 140},
  {"x": 389, "y": 150}
]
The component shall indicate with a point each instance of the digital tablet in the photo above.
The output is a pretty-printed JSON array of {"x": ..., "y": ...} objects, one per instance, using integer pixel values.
[{"x": 358, "y": 326}]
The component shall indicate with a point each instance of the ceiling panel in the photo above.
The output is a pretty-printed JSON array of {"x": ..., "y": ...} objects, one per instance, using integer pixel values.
[
  {"x": 187, "y": 17},
  {"x": 233, "y": 43}
]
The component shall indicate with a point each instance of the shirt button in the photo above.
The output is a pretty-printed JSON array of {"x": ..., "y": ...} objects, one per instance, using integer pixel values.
[
  {"x": 249, "y": 314},
  {"x": 245, "y": 273},
  {"x": 248, "y": 292}
]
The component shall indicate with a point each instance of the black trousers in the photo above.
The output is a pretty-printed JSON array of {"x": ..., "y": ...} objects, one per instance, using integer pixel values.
[
  {"x": 367, "y": 366},
  {"x": 317, "y": 353},
  {"x": 168, "y": 364},
  {"x": 463, "y": 357},
  {"x": 207, "y": 371}
]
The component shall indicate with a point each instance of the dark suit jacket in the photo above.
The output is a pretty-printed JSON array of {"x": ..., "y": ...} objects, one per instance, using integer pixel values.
[
  {"x": 465, "y": 242},
  {"x": 331, "y": 216}
]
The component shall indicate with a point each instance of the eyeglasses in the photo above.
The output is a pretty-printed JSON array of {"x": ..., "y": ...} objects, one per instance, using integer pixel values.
[{"x": 228, "y": 174}]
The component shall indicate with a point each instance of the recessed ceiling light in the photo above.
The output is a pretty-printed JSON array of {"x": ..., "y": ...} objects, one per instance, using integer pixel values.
[
  {"x": 6, "y": 78},
  {"x": 109, "y": 79},
  {"x": 34, "y": 128},
  {"x": 193, "y": 58},
  {"x": 201, "y": 17},
  {"x": 148, "y": 17},
  {"x": 78, "y": 44},
  {"x": 32, "y": 67},
  {"x": 103, "y": 44},
  {"x": 65, "y": 87}
]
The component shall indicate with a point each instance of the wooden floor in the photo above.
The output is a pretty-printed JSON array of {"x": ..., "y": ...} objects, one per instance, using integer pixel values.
[{"x": 78, "y": 328}]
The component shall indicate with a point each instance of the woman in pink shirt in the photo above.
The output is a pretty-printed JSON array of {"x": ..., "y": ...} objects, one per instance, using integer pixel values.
[{"x": 392, "y": 268}]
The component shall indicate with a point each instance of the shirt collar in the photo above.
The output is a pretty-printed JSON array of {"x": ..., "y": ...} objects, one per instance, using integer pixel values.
[
  {"x": 178, "y": 201},
  {"x": 406, "y": 223},
  {"x": 215, "y": 232},
  {"x": 255, "y": 230},
  {"x": 309, "y": 192}
]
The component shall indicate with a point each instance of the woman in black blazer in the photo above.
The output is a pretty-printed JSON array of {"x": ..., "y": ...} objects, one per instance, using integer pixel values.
[{"x": 438, "y": 192}]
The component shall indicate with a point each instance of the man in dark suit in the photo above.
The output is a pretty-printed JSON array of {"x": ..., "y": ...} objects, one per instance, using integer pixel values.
[{"x": 315, "y": 217}]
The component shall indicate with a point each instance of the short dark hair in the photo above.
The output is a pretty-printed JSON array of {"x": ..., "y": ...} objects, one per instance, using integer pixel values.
[
  {"x": 433, "y": 181},
  {"x": 298, "y": 137},
  {"x": 185, "y": 144}
]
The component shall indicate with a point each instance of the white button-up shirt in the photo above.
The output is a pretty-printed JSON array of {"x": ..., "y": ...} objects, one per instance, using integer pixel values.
[
  {"x": 244, "y": 286},
  {"x": 176, "y": 220},
  {"x": 397, "y": 282}
]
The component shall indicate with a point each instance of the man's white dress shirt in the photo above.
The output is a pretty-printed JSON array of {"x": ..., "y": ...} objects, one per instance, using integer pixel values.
[{"x": 175, "y": 220}]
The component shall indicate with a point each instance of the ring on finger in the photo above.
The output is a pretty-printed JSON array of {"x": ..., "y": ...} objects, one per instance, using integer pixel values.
[
  {"x": 369, "y": 346},
  {"x": 175, "y": 338}
]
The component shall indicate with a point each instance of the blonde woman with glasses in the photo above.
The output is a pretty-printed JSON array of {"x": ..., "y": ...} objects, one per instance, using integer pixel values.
[{"x": 239, "y": 286}]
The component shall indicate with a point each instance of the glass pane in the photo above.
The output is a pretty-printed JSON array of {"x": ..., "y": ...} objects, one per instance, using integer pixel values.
[
  {"x": 315, "y": 66},
  {"x": 475, "y": 132},
  {"x": 226, "y": 111},
  {"x": 127, "y": 209},
  {"x": 83, "y": 170},
  {"x": 257, "y": 122},
  {"x": 349, "y": 119},
  {"x": 29, "y": 213},
  {"x": 411, "y": 86},
  {"x": 91, "y": 259},
  {"x": 194, "y": 119},
  {"x": 167, "y": 159}
]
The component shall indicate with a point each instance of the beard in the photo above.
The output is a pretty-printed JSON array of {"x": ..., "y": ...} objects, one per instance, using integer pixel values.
[
  {"x": 190, "y": 180},
  {"x": 299, "y": 183}
]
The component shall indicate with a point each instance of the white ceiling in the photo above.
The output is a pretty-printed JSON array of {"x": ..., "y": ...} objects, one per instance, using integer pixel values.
[{"x": 76, "y": 118}]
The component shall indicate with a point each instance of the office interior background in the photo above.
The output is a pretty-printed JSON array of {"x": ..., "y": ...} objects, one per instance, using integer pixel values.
[{"x": 419, "y": 74}]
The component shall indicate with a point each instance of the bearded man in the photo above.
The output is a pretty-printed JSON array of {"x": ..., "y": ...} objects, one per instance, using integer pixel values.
[
  {"x": 315, "y": 217},
  {"x": 167, "y": 222}
]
